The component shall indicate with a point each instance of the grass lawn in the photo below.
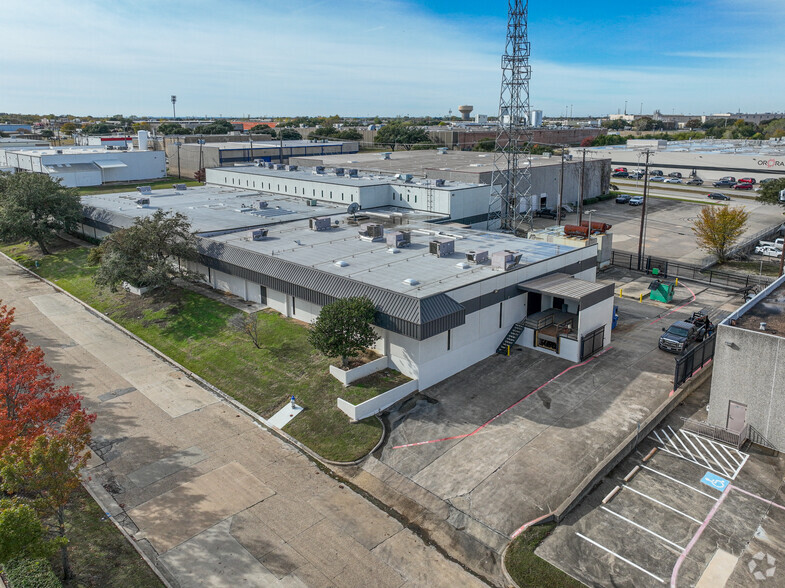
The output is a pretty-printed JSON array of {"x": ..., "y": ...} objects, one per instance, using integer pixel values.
[
  {"x": 197, "y": 332},
  {"x": 530, "y": 571},
  {"x": 99, "y": 554},
  {"x": 770, "y": 267},
  {"x": 158, "y": 184}
]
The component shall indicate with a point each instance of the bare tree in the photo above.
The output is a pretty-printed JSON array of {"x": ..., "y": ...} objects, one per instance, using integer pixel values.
[{"x": 250, "y": 325}]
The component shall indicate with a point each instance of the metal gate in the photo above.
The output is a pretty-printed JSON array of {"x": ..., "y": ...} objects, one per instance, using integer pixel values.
[
  {"x": 693, "y": 360},
  {"x": 592, "y": 342}
]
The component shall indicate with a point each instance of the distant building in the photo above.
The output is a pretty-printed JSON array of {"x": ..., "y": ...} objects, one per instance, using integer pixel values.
[
  {"x": 748, "y": 380},
  {"x": 86, "y": 166}
]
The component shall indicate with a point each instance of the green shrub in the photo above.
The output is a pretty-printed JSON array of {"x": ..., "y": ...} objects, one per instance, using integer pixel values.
[
  {"x": 30, "y": 573},
  {"x": 590, "y": 201}
]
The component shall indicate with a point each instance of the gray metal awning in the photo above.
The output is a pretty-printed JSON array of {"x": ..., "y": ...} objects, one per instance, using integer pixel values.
[
  {"x": 570, "y": 288},
  {"x": 109, "y": 163}
]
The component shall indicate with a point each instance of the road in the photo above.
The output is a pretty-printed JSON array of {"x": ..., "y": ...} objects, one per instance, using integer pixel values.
[{"x": 210, "y": 496}]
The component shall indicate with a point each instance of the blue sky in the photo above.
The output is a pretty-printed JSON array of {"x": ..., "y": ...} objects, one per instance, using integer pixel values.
[{"x": 362, "y": 58}]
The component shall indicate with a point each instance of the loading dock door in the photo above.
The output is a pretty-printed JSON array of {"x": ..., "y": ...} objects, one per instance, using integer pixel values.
[{"x": 737, "y": 416}]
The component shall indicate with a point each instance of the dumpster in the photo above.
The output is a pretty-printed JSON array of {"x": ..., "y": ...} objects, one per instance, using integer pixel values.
[{"x": 661, "y": 290}]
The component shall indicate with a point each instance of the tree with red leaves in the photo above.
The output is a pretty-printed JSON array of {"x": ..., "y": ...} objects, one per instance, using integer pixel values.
[{"x": 31, "y": 404}]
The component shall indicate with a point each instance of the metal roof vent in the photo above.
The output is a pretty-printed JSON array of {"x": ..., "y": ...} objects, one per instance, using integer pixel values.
[
  {"x": 462, "y": 265},
  {"x": 341, "y": 263},
  {"x": 411, "y": 282},
  {"x": 393, "y": 250}
]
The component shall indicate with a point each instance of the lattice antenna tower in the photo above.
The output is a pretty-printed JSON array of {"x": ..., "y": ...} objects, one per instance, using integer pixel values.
[{"x": 511, "y": 178}]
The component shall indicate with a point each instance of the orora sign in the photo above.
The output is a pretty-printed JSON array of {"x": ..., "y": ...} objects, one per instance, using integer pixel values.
[{"x": 771, "y": 163}]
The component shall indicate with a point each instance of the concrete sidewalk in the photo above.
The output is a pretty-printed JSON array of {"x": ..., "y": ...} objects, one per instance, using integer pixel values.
[{"x": 209, "y": 495}]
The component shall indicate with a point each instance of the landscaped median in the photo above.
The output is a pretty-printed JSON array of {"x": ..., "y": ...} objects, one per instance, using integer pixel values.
[{"x": 199, "y": 333}]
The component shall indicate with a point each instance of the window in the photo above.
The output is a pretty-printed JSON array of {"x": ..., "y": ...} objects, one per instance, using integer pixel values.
[
  {"x": 415, "y": 198},
  {"x": 294, "y": 309},
  {"x": 500, "y": 314},
  {"x": 449, "y": 334},
  {"x": 254, "y": 183},
  {"x": 224, "y": 179},
  {"x": 262, "y": 295},
  {"x": 314, "y": 192}
]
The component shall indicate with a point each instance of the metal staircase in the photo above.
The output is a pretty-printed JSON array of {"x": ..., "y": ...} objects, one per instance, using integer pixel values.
[{"x": 511, "y": 337}]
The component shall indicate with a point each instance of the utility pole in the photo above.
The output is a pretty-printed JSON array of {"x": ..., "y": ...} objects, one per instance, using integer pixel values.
[
  {"x": 583, "y": 180},
  {"x": 178, "y": 143},
  {"x": 561, "y": 188},
  {"x": 643, "y": 212},
  {"x": 511, "y": 177}
]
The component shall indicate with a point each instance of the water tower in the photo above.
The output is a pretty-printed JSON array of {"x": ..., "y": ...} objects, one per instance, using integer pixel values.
[{"x": 465, "y": 111}]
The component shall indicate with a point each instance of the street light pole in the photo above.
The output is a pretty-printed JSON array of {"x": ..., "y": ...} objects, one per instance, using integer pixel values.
[
  {"x": 177, "y": 144},
  {"x": 589, "y": 212}
]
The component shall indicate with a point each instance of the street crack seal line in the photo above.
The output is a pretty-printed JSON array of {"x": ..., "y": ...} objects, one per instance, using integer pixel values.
[
  {"x": 677, "y": 308},
  {"x": 506, "y": 410}
]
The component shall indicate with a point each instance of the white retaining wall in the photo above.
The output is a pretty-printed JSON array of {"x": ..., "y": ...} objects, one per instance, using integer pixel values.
[
  {"x": 378, "y": 403},
  {"x": 348, "y": 376}
]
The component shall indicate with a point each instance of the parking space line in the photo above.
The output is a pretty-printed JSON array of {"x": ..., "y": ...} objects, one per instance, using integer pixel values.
[
  {"x": 685, "y": 515},
  {"x": 625, "y": 560},
  {"x": 710, "y": 450},
  {"x": 722, "y": 450},
  {"x": 718, "y": 452},
  {"x": 678, "y": 482},
  {"x": 642, "y": 528},
  {"x": 675, "y": 437},
  {"x": 694, "y": 455},
  {"x": 730, "y": 455},
  {"x": 666, "y": 444},
  {"x": 718, "y": 465}
]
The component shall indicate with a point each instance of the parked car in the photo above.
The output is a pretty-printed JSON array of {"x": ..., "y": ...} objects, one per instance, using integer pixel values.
[
  {"x": 728, "y": 179},
  {"x": 623, "y": 198},
  {"x": 768, "y": 251},
  {"x": 747, "y": 181},
  {"x": 681, "y": 334},
  {"x": 724, "y": 184},
  {"x": 767, "y": 180},
  {"x": 636, "y": 175},
  {"x": 777, "y": 243},
  {"x": 636, "y": 201},
  {"x": 718, "y": 196},
  {"x": 546, "y": 213},
  {"x": 694, "y": 182},
  {"x": 657, "y": 179},
  {"x": 674, "y": 175},
  {"x": 742, "y": 186},
  {"x": 673, "y": 181},
  {"x": 620, "y": 174},
  {"x": 620, "y": 169},
  {"x": 655, "y": 172}
]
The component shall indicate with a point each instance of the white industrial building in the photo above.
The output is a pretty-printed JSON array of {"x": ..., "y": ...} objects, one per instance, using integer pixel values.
[
  {"x": 86, "y": 166},
  {"x": 446, "y": 297}
]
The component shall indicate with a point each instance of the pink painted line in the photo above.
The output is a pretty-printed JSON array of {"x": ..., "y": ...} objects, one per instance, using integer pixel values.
[
  {"x": 529, "y": 524},
  {"x": 712, "y": 512},
  {"x": 506, "y": 410},
  {"x": 677, "y": 308},
  {"x": 694, "y": 540},
  {"x": 769, "y": 502}
]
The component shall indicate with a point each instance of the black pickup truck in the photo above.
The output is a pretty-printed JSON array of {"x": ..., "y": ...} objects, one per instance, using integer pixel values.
[{"x": 680, "y": 335}]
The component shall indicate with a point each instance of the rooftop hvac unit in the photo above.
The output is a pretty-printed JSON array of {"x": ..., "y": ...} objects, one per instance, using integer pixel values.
[
  {"x": 505, "y": 260},
  {"x": 372, "y": 232},
  {"x": 398, "y": 239},
  {"x": 404, "y": 177},
  {"x": 144, "y": 189},
  {"x": 386, "y": 155},
  {"x": 339, "y": 171},
  {"x": 442, "y": 247},
  {"x": 291, "y": 167},
  {"x": 142, "y": 202},
  {"x": 262, "y": 204},
  {"x": 179, "y": 186},
  {"x": 319, "y": 169},
  {"x": 320, "y": 223},
  {"x": 258, "y": 162},
  {"x": 259, "y": 234},
  {"x": 353, "y": 173},
  {"x": 279, "y": 166},
  {"x": 59, "y": 151},
  {"x": 477, "y": 256},
  {"x": 439, "y": 183}
]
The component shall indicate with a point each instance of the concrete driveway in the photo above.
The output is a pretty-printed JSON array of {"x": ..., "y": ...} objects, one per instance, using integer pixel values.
[
  {"x": 210, "y": 496},
  {"x": 508, "y": 440}
]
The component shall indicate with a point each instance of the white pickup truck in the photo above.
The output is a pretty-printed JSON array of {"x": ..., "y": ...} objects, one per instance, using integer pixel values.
[{"x": 777, "y": 243}]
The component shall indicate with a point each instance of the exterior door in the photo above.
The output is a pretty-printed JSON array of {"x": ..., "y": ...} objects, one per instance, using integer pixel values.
[{"x": 737, "y": 416}]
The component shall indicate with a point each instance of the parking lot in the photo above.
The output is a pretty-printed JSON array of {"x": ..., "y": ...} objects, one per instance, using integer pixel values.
[
  {"x": 509, "y": 439},
  {"x": 689, "y": 511},
  {"x": 669, "y": 223}
]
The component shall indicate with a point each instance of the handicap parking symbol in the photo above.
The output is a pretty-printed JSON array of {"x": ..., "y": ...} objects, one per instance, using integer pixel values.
[{"x": 715, "y": 481}]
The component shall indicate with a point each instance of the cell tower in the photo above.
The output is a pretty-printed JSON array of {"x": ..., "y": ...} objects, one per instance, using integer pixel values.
[{"x": 511, "y": 178}]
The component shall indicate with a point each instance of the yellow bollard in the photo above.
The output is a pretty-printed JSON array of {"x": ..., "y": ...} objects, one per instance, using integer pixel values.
[
  {"x": 677, "y": 282},
  {"x": 641, "y": 298},
  {"x": 508, "y": 351},
  {"x": 621, "y": 292}
]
